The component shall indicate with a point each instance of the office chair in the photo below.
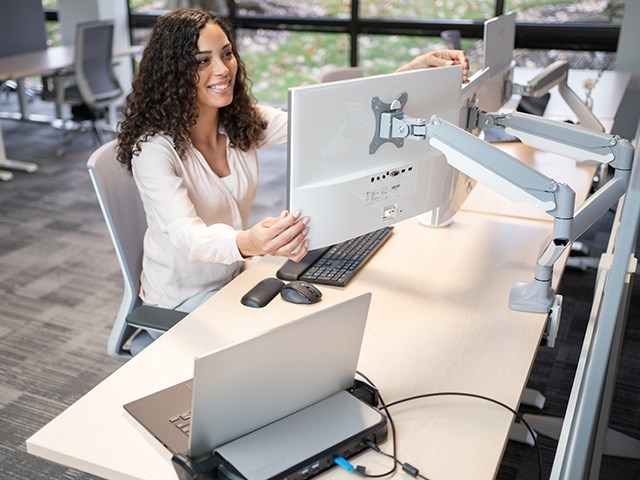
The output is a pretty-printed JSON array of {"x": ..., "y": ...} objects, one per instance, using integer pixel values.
[
  {"x": 452, "y": 39},
  {"x": 342, "y": 73},
  {"x": 94, "y": 87},
  {"x": 126, "y": 221}
]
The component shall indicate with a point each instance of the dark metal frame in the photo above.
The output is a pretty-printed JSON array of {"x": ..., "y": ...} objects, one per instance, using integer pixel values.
[{"x": 567, "y": 36}]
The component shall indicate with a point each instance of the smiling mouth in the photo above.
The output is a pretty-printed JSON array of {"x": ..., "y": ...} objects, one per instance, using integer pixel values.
[{"x": 220, "y": 87}]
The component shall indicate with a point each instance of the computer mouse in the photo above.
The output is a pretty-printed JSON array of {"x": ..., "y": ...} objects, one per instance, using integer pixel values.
[{"x": 300, "y": 292}]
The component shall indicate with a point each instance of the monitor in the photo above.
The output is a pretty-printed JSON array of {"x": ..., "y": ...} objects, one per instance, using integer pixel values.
[
  {"x": 499, "y": 39},
  {"x": 332, "y": 176},
  {"x": 460, "y": 185},
  {"x": 488, "y": 89}
]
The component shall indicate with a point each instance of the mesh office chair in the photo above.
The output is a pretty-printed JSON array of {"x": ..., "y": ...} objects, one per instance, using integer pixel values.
[
  {"x": 124, "y": 214},
  {"x": 95, "y": 86}
]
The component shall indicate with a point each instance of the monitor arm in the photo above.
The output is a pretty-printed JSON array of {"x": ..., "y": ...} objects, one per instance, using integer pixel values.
[
  {"x": 581, "y": 144},
  {"x": 518, "y": 182},
  {"x": 557, "y": 74}
]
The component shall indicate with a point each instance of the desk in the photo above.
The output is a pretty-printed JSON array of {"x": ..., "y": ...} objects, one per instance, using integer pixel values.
[
  {"x": 438, "y": 321},
  {"x": 25, "y": 65},
  {"x": 17, "y": 67}
]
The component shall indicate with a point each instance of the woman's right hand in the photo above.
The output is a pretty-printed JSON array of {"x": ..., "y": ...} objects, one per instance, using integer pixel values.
[{"x": 283, "y": 236}]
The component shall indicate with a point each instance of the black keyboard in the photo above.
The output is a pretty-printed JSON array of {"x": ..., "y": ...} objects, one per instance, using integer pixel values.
[{"x": 337, "y": 264}]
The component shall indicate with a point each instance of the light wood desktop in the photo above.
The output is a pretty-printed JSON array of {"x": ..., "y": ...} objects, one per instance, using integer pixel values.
[{"x": 439, "y": 321}]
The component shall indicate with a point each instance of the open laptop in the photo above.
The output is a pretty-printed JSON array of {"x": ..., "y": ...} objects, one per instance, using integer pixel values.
[{"x": 240, "y": 388}]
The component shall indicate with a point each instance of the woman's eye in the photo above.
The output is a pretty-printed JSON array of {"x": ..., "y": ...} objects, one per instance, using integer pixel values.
[{"x": 203, "y": 61}]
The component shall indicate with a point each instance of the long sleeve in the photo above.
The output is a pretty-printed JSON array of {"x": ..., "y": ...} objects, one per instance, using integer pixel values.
[
  {"x": 169, "y": 191},
  {"x": 194, "y": 216}
]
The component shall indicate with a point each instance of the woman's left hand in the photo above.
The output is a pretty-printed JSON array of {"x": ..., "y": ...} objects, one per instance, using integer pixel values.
[{"x": 439, "y": 58}]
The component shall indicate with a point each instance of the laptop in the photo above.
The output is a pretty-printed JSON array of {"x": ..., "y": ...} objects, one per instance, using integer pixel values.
[{"x": 240, "y": 388}]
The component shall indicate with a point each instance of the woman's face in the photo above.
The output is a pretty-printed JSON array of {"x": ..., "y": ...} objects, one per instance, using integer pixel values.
[{"x": 217, "y": 68}]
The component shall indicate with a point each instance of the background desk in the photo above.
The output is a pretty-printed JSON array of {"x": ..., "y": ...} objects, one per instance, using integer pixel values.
[
  {"x": 607, "y": 93},
  {"x": 18, "y": 67},
  {"x": 438, "y": 321}
]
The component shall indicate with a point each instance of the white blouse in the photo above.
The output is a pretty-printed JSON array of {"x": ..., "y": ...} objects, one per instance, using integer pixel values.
[{"x": 193, "y": 217}]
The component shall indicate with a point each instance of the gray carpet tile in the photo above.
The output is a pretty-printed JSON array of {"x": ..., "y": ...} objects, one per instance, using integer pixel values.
[{"x": 60, "y": 287}]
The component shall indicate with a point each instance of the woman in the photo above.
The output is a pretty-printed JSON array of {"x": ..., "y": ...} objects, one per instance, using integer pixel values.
[{"x": 189, "y": 135}]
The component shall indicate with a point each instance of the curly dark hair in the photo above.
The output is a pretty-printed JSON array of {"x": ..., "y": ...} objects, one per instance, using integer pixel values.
[{"x": 163, "y": 95}]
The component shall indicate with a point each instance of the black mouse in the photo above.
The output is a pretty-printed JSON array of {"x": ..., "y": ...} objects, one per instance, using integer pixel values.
[{"x": 300, "y": 292}]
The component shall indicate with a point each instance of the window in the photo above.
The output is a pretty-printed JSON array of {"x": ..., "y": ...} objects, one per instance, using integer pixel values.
[
  {"x": 294, "y": 8},
  {"x": 420, "y": 9},
  {"x": 305, "y": 37},
  {"x": 277, "y": 60},
  {"x": 575, "y": 11},
  {"x": 156, "y": 6}
]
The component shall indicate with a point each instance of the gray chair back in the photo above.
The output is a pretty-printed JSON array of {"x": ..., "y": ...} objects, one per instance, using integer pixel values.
[
  {"x": 95, "y": 77},
  {"x": 342, "y": 73},
  {"x": 452, "y": 38},
  {"x": 124, "y": 214}
]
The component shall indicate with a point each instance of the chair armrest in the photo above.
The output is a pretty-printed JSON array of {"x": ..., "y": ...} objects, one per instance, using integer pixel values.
[{"x": 159, "y": 319}]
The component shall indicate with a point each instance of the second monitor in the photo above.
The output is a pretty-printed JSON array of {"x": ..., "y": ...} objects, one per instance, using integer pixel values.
[{"x": 344, "y": 179}]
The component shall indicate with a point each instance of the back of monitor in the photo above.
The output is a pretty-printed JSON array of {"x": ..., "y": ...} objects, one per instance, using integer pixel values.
[
  {"x": 499, "y": 39},
  {"x": 334, "y": 176}
]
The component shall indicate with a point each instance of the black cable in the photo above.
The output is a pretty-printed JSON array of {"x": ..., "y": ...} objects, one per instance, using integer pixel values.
[
  {"x": 488, "y": 399},
  {"x": 393, "y": 433},
  {"x": 409, "y": 468},
  {"x": 406, "y": 467}
]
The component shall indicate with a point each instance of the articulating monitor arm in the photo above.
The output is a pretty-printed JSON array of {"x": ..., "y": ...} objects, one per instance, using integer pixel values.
[
  {"x": 557, "y": 74},
  {"x": 519, "y": 182},
  {"x": 573, "y": 141}
]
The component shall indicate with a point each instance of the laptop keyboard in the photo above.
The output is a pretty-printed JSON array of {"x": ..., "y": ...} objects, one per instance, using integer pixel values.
[{"x": 182, "y": 422}]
